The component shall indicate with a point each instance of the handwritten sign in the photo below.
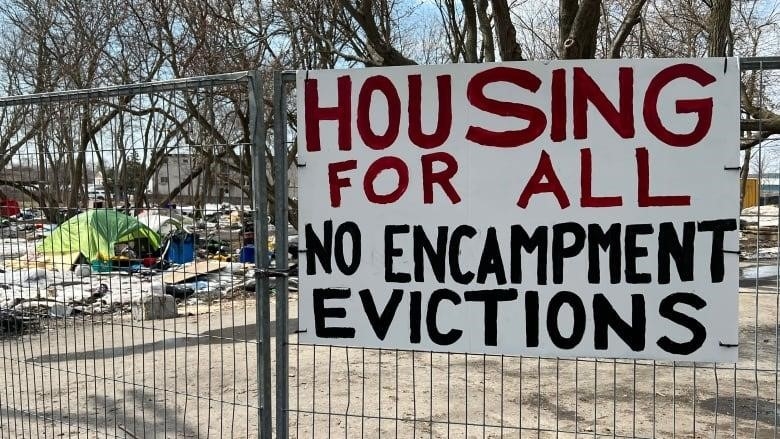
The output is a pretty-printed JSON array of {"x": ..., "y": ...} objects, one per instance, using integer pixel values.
[{"x": 564, "y": 209}]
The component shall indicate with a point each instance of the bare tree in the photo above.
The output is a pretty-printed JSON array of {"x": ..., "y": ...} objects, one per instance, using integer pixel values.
[{"x": 66, "y": 44}]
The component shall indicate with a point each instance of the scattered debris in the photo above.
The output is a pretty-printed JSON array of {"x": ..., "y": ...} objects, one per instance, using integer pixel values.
[
  {"x": 11, "y": 322},
  {"x": 37, "y": 283},
  {"x": 179, "y": 291},
  {"x": 759, "y": 232},
  {"x": 154, "y": 306},
  {"x": 192, "y": 270}
]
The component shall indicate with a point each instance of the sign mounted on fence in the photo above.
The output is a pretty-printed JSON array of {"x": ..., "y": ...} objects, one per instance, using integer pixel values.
[{"x": 565, "y": 209}]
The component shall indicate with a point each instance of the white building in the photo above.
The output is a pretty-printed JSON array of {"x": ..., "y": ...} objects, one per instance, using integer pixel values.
[
  {"x": 175, "y": 170},
  {"x": 178, "y": 166}
]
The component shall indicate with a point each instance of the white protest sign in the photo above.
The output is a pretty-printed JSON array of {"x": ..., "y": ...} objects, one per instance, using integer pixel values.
[{"x": 566, "y": 209}]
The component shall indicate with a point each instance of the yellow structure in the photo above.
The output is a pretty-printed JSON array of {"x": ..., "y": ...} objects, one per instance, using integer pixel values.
[{"x": 750, "y": 198}]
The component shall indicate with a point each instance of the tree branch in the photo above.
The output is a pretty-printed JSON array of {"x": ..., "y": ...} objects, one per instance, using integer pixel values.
[
  {"x": 762, "y": 120},
  {"x": 23, "y": 187},
  {"x": 632, "y": 18},
  {"x": 764, "y": 126},
  {"x": 386, "y": 54},
  {"x": 451, "y": 29},
  {"x": 749, "y": 142}
]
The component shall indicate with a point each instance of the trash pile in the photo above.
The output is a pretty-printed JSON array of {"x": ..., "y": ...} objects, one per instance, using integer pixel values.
[
  {"x": 103, "y": 261},
  {"x": 759, "y": 230}
]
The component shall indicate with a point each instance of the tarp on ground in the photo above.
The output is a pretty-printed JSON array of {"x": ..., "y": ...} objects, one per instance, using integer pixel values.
[
  {"x": 95, "y": 233},
  {"x": 165, "y": 223}
]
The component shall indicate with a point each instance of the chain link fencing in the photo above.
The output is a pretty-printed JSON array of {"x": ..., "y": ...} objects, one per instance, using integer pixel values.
[
  {"x": 83, "y": 355},
  {"x": 334, "y": 391},
  {"x": 128, "y": 299}
]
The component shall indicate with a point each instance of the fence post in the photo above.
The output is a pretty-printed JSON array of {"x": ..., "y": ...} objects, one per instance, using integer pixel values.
[
  {"x": 262, "y": 293},
  {"x": 280, "y": 195}
]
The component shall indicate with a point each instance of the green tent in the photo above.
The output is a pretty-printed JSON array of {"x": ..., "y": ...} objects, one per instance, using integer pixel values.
[{"x": 94, "y": 234}]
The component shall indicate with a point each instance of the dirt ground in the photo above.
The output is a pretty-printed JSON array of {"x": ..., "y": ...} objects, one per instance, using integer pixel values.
[
  {"x": 111, "y": 376},
  {"x": 195, "y": 376},
  {"x": 452, "y": 395}
]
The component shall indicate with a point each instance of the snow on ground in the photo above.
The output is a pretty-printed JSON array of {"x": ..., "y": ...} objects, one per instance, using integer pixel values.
[{"x": 38, "y": 287}]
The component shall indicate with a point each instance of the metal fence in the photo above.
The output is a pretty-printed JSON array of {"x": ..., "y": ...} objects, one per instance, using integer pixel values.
[
  {"x": 126, "y": 309},
  {"x": 83, "y": 354},
  {"x": 325, "y": 391}
]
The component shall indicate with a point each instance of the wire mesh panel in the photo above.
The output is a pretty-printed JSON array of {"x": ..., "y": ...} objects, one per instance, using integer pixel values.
[
  {"x": 129, "y": 243},
  {"x": 337, "y": 391}
]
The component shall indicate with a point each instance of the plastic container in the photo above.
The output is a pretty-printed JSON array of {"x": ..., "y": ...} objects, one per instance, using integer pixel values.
[
  {"x": 182, "y": 249},
  {"x": 101, "y": 266},
  {"x": 247, "y": 254}
]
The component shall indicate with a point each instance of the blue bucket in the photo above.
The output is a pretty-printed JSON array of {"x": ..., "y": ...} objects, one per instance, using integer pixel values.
[
  {"x": 247, "y": 254},
  {"x": 182, "y": 249}
]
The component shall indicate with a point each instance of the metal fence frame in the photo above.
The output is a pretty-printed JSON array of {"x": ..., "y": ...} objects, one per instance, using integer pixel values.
[
  {"x": 282, "y": 80},
  {"x": 282, "y": 288},
  {"x": 254, "y": 86},
  {"x": 264, "y": 272}
]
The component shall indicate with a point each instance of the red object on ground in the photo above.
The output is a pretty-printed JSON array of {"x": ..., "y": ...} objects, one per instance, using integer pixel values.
[
  {"x": 9, "y": 208},
  {"x": 149, "y": 262}
]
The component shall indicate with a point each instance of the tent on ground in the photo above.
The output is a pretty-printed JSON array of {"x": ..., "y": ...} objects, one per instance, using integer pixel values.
[{"x": 95, "y": 233}]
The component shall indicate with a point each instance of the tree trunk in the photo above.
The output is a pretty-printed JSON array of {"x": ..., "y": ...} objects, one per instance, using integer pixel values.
[
  {"x": 488, "y": 48},
  {"x": 505, "y": 32},
  {"x": 581, "y": 41},
  {"x": 41, "y": 171},
  {"x": 77, "y": 174},
  {"x": 720, "y": 18},
  {"x": 567, "y": 10},
  {"x": 470, "y": 28}
]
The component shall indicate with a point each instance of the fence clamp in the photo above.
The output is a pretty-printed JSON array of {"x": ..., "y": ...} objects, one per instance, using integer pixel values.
[{"x": 270, "y": 272}]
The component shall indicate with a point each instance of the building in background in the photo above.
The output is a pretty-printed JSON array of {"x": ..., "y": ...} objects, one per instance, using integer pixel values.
[
  {"x": 175, "y": 171},
  {"x": 27, "y": 176},
  {"x": 768, "y": 187}
]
